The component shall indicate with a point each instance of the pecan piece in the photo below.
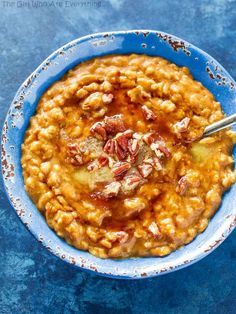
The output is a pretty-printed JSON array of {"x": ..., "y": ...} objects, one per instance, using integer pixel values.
[
  {"x": 154, "y": 162},
  {"x": 160, "y": 148},
  {"x": 149, "y": 138},
  {"x": 145, "y": 170},
  {"x": 122, "y": 236},
  {"x": 111, "y": 162},
  {"x": 74, "y": 155},
  {"x": 164, "y": 149},
  {"x": 182, "y": 185},
  {"x": 154, "y": 230},
  {"x": 137, "y": 136},
  {"x": 102, "y": 161},
  {"x": 148, "y": 113},
  {"x": 73, "y": 148},
  {"x": 121, "y": 154},
  {"x": 181, "y": 126},
  {"x": 133, "y": 148},
  {"x": 77, "y": 160},
  {"x": 130, "y": 182},
  {"x": 111, "y": 189},
  {"x": 156, "y": 148},
  {"x": 122, "y": 141},
  {"x": 122, "y": 144},
  {"x": 157, "y": 164},
  {"x": 114, "y": 124},
  {"x": 98, "y": 130},
  {"x": 123, "y": 138},
  {"x": 120, "y": 168},
  {"x": 149, "y": 161},
  {"x": 109, "y": 147}
]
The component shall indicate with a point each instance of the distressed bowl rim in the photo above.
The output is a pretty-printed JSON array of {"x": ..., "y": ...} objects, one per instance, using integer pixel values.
[{"x": 142, "y": 272}]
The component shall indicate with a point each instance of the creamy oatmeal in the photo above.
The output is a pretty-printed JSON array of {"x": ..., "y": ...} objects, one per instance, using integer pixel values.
[{"x": 114, "y": 161}]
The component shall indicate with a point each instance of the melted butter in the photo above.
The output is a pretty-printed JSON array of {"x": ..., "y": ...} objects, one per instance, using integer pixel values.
[
  {"x": 203, "y": 152},
  {"x": 91, "y": 179}
]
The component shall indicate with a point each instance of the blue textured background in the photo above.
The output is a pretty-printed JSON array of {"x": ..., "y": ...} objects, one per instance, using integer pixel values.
[{"x": 31, "y": 279}]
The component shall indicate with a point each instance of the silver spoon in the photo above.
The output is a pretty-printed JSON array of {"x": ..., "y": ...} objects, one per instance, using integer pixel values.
[{"x": 220, "y": 125}]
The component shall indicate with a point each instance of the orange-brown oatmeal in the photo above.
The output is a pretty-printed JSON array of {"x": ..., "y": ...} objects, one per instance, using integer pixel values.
[{"x": 114, "y": 160}]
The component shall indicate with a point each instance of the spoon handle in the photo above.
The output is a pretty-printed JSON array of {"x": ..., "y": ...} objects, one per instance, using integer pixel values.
[{"x": 220, "y": 125}]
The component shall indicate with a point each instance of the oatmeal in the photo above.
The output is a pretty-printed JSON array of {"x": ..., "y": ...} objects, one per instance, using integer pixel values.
[{"x": 114, "y": 160}]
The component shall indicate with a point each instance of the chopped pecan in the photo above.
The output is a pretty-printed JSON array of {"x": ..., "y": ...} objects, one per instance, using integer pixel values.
[
  {"x": 121, "y": 153},
  {"x": 111, "y": 162},
  {"x": 109, "y": 147},
  {"x": 133, "y": 148},
  {"x": 137, "y": 136},
  {"x": 130, "y": 182},
  {"x": 98, "y": 129},
  {"x": 122, "y": 236},
  {"x": 123, "y": 138},
  {"x": 156, "y": 148},
  {"x": 154, "y": 230},
  {"x": 107, "y": 98},
  {"x": 74, "y": 155},
  {"x": 182, "y": 185},
  {"x": 148, "y": 113},
  {"x": 111, "y": 189},
  {"x": 149, "y": 161},
  {"x": 120, "y": 168},
  {"x": 157, "y": 164},
  {"x": 114, "y": 124},
  {"x": 182, "y": 126},
  {"x": 73, "y": 147},
  {"x": 149, "y": 138},
  {"x": 102, "y": 161},
  {"x": 160, "y": 148},
  {"x": 154, "y": 162},
  {"x": 164, "y": 149},
  {"x": 145, "y": 170},
  {"x": 77, "y": 160},
  {"x": 122, "y": 141}
]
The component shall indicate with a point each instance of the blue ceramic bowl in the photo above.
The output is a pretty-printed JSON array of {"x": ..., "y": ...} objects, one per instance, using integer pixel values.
[{"x": 204, "y": 69}]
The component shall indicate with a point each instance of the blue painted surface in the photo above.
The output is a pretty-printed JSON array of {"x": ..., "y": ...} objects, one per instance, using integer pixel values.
[{"x": 33, "y": 281}]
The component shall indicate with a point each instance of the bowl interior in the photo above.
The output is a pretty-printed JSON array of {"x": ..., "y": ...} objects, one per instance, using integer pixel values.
[{"x": 204, "y": 69}]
